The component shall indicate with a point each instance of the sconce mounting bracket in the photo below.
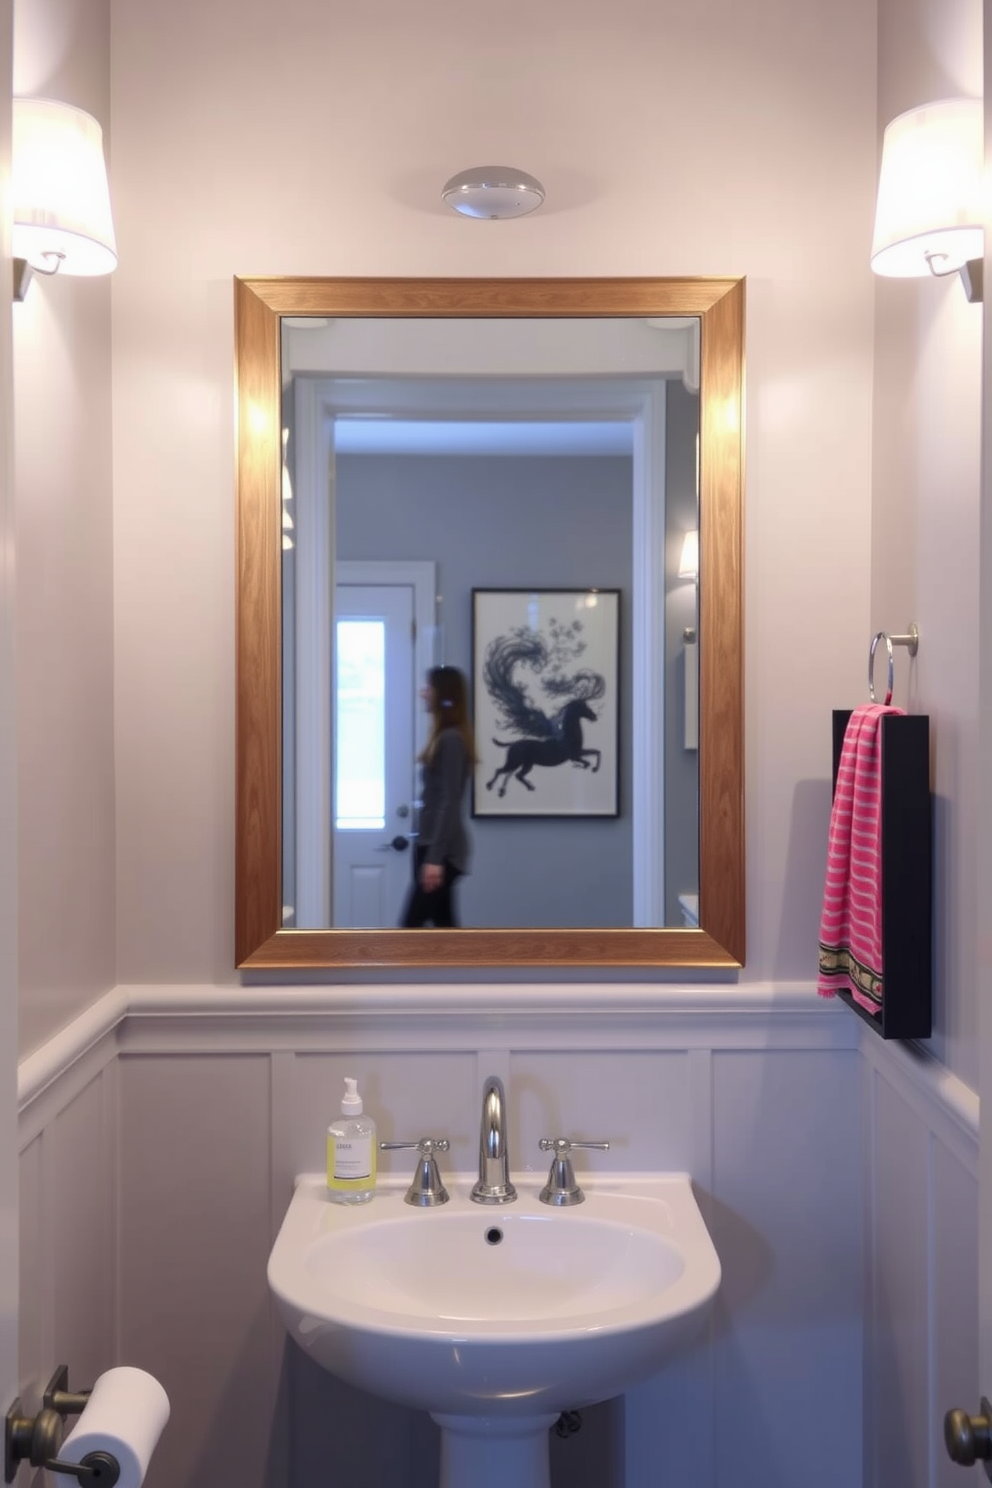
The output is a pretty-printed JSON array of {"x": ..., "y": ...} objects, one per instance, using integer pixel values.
[
  {"x": 972, "y": 276},
  {"x": 23, "y": 274}
]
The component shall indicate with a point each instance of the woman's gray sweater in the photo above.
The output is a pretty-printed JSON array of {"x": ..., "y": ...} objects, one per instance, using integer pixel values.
[{"x": 442, "y": 832}]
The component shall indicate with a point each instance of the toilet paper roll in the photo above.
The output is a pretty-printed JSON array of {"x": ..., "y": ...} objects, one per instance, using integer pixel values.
[{"x": 125, "y": 1416}]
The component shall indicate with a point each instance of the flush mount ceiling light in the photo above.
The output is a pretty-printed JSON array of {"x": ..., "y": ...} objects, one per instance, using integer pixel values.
[
  {"x": 62, "y": 222},
  {"x": 928, "y": 215},
  {"x": 493, "y": 191}
]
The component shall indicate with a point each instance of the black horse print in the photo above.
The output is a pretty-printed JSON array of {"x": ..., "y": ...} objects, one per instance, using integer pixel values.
[
  {"x": 523, "y": 754},
  {"x": 545, "y": 739}
]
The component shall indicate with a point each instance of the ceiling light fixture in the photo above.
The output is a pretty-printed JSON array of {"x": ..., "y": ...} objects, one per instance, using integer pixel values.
[{"x": 493, "y": 191}]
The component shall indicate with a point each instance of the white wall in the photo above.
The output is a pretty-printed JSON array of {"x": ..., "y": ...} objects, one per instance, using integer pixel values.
[
  {"x": 720, "y": 139},
  {"x": 919, "y": 1130},
  {"x": 208, "y": 1103},
  {"x": 9, "y": 1234},
  {"x": 925, "y": 511},
  {"x": 161, "y": 1132},
  {"x": 319, "y": 145},
  {"x": 64, "y": 614}
]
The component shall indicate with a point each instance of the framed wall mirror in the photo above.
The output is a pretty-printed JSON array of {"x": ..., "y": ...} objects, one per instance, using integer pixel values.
[{"x": 438, "y": 467}]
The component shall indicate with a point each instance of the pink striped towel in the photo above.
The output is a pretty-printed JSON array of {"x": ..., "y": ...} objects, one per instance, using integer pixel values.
[{"x": 851, "y": 923}]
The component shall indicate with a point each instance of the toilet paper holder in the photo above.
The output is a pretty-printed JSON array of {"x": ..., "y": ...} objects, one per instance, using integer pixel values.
[{"x": 37, "y": 1439}]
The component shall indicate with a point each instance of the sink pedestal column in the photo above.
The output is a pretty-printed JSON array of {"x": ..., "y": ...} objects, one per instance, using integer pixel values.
[{"x": 494, "y": 1451}]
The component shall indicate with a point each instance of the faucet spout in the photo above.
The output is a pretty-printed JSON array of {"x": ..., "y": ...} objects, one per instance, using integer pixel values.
[{"x": 494, "y": 1186}]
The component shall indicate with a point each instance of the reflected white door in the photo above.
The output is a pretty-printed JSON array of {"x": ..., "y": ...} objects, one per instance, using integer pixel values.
[{"x": 375, "y": 698}]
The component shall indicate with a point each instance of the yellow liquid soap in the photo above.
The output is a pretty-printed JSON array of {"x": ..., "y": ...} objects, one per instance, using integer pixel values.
[{"x": 351, "y": 1151}]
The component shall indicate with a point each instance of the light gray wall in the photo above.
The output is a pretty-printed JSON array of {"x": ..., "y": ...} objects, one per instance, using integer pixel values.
[{"x": 511, "y": 522}]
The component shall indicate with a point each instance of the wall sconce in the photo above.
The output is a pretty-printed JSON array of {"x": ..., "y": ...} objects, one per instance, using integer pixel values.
[
  {"x": 928, "y": 214},
  {"x": 62, "y": 221},
  {"x": 689, "y": 561}
]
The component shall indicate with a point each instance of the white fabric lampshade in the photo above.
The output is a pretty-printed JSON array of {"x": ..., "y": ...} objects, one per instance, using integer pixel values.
[
  {"x": 930, "y": 190},
  {"x": 689, "y": 558},
  {"x": 61, "y": 198}
]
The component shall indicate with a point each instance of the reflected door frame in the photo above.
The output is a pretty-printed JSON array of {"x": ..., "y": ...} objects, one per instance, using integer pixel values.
[
  {"x": 313, "y": 499},
  {"x": 308, "y": 527},
  {"x": 309, "y": 806}
]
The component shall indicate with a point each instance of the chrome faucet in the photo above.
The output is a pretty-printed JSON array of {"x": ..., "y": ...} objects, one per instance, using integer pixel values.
[{"x": 494, "y": 1186}]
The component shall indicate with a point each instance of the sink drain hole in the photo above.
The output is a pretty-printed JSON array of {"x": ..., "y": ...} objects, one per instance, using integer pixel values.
[{"x": 494, "y": 1235}]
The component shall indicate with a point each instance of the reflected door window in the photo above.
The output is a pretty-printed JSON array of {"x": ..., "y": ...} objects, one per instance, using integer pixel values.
[
  {"x": 360, "y": 757},
  {"x": 373, "y": 746}
]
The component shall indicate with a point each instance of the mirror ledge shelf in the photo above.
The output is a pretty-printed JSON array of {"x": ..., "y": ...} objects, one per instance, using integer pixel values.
[{"x": 260, "y": 941}]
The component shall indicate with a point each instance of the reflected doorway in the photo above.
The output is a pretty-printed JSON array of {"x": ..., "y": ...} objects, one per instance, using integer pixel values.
[{"x": 614, "y": 486}]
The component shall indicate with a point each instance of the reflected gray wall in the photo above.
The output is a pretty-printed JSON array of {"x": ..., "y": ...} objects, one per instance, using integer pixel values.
[
  {"x": 681, "y": 765},
  {"x": 288, "y": 615},
  {"x": 513, "y": 522}
]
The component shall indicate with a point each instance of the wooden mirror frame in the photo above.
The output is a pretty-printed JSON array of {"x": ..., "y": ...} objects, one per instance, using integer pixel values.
[{"x": 261, "y": 942}]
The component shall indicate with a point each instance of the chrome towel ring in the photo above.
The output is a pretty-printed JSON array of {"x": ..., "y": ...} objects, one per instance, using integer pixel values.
[{"x": 912, "y": 643}]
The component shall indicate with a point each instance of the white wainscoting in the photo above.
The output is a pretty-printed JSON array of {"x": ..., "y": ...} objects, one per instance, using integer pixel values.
[
  {"x": 921, "y": 1184},
  {"x": 162, "y": 1131}
]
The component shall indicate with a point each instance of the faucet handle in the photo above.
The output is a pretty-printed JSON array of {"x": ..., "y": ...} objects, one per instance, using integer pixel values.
[
  {"x": 426, "y": 1190},
  {"x": 565, "y": 1144},
  {"x": 561, "y": 1188},
  {"x": 424, "y": 1145}
]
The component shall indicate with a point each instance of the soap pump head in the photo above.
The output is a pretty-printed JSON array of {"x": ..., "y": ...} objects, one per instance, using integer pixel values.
[{"x": 352, "y": 1103}]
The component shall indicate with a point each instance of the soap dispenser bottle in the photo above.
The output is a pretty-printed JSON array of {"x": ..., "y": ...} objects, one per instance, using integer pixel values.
[{"x": 351, "y": 1151}]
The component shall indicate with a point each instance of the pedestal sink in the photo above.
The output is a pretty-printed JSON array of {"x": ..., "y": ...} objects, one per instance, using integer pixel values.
[{"x": 496, "y": 1320}]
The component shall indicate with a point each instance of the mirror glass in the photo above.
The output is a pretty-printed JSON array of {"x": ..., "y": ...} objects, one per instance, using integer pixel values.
[
  {"x": 515, "y": 504},
  {"x": 536, "y": 482}
]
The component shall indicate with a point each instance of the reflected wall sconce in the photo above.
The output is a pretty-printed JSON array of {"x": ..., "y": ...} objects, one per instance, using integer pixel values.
[
  {"x": 62, "y": 222},
  {"x": 689, "y": 560},
  {"x": 493, "y": 191},
  {"x": 928, "y": 213}
]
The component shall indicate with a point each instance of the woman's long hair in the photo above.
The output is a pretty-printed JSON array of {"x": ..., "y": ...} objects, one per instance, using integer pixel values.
[{"x": 450, "y": 710}]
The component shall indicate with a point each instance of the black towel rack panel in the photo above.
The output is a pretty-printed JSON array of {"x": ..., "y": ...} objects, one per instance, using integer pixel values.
[{"x": 907, "y": 876}]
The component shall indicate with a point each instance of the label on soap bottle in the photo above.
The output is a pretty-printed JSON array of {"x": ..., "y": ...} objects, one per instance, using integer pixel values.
[{"x": 352, "y": 1157}]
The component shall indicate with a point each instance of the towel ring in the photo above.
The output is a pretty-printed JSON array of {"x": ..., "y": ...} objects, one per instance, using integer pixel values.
[{"x": 912, "y": 643}]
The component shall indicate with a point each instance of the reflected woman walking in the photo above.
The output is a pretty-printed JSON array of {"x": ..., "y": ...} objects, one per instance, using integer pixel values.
[{"x": 441, "y": 855}]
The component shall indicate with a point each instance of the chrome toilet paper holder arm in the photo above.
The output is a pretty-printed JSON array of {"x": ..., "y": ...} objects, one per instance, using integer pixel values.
[{"x": 37, "y": 1439}]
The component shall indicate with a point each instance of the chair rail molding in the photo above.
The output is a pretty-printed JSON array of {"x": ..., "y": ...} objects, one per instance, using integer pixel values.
[{"x": 559, "y": 1016}]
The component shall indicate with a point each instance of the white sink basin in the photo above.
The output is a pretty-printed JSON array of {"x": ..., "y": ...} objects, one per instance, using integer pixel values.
[
  {"x": 499, "y": 1313},
  {"x": 517, "y": 1275}
]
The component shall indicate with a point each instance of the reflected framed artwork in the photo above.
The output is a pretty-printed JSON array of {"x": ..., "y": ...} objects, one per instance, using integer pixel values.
[{"x": 545, "y": 689}]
